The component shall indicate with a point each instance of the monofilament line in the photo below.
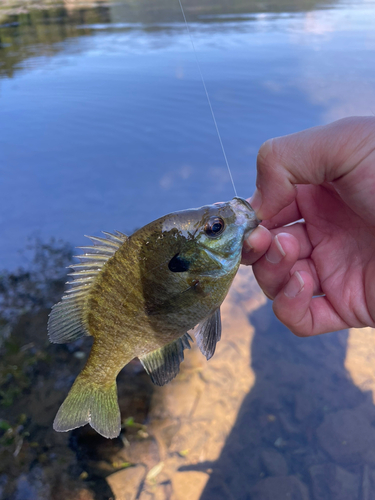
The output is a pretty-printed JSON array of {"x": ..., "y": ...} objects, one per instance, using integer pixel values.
[{"x": 208, "y": 97}]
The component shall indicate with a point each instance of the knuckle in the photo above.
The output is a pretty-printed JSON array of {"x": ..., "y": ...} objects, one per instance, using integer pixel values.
[
  {"x": 272, "y": 152},
  {"x": 265, "y": 153},
  {"x": 298, "y": 329}
]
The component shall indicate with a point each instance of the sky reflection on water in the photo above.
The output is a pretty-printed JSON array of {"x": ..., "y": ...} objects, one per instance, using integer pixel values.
[{"x": 109, "y": 128}]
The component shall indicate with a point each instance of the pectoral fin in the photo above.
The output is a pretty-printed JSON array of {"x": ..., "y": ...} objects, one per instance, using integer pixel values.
[
  {"x": 208, "y": 334},
  {"x": 163, "y": 364}
]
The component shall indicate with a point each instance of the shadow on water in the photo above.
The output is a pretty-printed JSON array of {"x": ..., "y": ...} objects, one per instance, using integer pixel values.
[{"x": 304, "y": 431}]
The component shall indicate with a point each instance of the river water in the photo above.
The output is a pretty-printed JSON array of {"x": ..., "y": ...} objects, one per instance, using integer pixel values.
[
  {"x": 103, "y": 118},
  {"x": 104, "y": 125}
]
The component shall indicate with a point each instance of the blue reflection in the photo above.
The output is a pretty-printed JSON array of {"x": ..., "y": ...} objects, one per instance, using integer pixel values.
[{"x": 107, "y": 126}]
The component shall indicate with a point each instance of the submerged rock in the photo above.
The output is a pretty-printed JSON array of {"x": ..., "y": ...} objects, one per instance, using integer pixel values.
[
  {"x": 274, "y": 463},
  {"x": 189, "y": 485},
  {"x": 331, "y": 482},
  {"x": 347, "y": 436},
  {"x": 125, "y": 484},
  {"x": 280, "y": 488}
]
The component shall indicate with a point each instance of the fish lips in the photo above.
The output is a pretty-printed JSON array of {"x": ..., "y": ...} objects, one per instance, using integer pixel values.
[{"x": 245, "y": 215}]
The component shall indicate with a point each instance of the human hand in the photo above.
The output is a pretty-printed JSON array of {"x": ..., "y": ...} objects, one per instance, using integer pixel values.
[{"x": 320, "y": 272}]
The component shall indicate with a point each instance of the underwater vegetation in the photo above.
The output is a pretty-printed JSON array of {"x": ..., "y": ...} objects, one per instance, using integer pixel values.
[
  {"x": 25, "y": 293},
  {"x": 35, "y": 461}
]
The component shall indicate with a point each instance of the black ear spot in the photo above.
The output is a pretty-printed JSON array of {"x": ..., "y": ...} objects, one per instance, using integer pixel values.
[{"x": 178, "y": 264}]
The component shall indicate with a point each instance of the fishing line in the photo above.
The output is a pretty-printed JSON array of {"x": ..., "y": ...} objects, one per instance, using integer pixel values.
[{"x": 208, "y": 98}]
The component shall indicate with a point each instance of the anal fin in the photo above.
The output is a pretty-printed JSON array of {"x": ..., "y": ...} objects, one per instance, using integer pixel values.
[
  {"x": 208, "y": 334},
  {"x": 164, "y": 364}
]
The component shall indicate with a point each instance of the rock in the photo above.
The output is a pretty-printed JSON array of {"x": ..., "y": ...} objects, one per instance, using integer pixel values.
[
  {"x": 331, "y": 482},
  {"x": 274, "y": 463},
  {"x": 347, "y": 436},
  {"x": 160, "y": 491},
  {"x": 144, "y": 451},
  {"x": 305, "y": 405},
  {"x": 280, "y": 488},
  {"x": 32, "y": 485},
  {"x": 189, "y": 485},
  {"x": 125, "y": 484}
]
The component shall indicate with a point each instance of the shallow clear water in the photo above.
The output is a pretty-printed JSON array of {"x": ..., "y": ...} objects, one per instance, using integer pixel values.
[{"x": 105, "y": 125}]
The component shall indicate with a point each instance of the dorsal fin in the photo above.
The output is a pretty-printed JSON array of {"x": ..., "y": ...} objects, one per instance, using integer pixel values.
[{"x": 66, "y": 322}]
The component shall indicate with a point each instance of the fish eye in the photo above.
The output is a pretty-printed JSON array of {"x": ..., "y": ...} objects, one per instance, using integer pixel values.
[{"x": 214, "y": 227}]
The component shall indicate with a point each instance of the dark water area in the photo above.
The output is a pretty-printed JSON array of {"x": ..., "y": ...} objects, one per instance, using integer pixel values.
[
  {"x": 104, "y": 125},
  {"x": 303, "y": 431},
  {"x": 103, "y": 118}
]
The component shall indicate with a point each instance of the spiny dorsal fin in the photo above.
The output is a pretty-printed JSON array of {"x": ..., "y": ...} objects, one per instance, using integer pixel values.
[
  {"x": 65, "y": 322},
  {"x": 163, "y": 364},
  {"x": 208, "y": 334}
]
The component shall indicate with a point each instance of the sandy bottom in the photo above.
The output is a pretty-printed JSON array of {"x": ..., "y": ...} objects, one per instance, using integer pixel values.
[{"x": 270, "y": 416}]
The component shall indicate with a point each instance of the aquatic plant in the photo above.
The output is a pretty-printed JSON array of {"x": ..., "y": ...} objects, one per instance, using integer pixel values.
[{"x": 25, "y": 290}]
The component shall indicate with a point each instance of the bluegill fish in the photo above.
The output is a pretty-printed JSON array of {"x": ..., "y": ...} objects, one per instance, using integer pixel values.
[{"x": 138, "y": 296}]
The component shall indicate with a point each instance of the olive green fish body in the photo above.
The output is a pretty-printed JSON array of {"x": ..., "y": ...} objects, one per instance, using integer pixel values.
[{"x": 139, "y": 296}]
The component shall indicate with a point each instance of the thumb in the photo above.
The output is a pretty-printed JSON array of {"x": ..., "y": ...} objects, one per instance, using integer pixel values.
[{"x": 313, "y": 156}]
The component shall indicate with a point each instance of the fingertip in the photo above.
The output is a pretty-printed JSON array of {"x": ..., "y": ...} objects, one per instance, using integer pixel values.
[
  {"x": 291, "y": 305},
  {"x": 256, "y": 245},
  {"x": 290, "y": 246},
  {"x": 256, "y": 201},
  {"x": 259, "y": 239},
  {"x": 294, "y": 286}
]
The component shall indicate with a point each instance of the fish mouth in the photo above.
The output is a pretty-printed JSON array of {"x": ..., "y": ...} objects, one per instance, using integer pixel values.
[
  {"x": 243, "y": 208},
  {"x": 244, "y": 202}
]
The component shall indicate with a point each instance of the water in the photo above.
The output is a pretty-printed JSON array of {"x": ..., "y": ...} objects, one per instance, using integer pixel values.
[
  {"x": 103, "y": 118},
  {"x": 105, "y": 125}
]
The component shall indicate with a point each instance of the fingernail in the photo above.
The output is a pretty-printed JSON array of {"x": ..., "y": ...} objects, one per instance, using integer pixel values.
[
  {"x": 294, "y": 286},
  {"x": 276, "y": 252},
  {"x": 256, "y": 200},
  {"x": 254, "y": 239},
  {"x": 246, "y": 248}
]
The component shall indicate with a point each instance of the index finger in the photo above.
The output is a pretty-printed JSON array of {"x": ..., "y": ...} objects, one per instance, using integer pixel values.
[{"x": 314, "y": 156}]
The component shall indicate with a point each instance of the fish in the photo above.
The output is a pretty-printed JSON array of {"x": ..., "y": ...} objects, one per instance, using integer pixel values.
[{"x": 139, "y": 296}]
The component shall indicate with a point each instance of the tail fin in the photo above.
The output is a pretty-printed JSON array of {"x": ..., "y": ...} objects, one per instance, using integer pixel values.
[{"x": 88, "y": 402}]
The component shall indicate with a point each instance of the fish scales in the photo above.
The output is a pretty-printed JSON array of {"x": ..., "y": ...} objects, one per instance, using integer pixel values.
[{"x": 140, "y": 300}]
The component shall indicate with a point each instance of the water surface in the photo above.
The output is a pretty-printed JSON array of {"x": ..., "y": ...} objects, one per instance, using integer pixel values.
[
  {"x": 104, "y": 121},
  {"x": 104, "y": 124}
]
